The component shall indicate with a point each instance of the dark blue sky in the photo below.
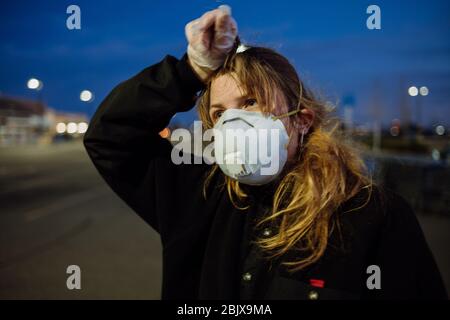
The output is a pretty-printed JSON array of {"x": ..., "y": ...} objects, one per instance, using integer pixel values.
[{"x": 327, "y": 41}]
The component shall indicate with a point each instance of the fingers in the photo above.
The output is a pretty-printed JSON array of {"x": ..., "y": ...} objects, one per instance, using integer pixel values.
[
  {"x": 225, "y": 9},
  {"x": 211, "y": 37},
  {"x": 225, "y": 32},
  {"x": 197, "y": 27},
  {"x": 207, "y": 19}
]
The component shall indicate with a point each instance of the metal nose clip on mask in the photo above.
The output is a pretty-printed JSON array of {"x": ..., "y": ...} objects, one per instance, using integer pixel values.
[{"x": 249, "y": 146}]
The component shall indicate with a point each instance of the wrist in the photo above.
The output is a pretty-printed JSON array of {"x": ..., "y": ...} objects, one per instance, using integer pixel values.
[{"x": 201, "y": 73}]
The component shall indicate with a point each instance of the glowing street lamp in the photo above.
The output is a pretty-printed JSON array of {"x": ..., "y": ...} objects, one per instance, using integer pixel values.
[
  {"x": 82, "y": 127},
  {"x": 35, "y": 84},
  {"x": 440, "y": 130},
  {"x": 72, "y": 127},
  {"x": 413, "y": 91},
  {"x": 61, "y": 127},
  {"x": 86, "y": 96},
  {"x": 424, "y": 91},
  {"x": 416, "y": 92}
]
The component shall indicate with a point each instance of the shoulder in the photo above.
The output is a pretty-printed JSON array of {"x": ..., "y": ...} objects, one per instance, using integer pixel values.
[
  {"x": 378, "y": 210},
  {"x": 381, "y": 202},
  {"x": 395, "y": 211}
]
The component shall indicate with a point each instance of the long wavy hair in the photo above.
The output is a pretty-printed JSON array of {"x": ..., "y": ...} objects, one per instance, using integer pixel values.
[{"x": 328, "y": 172}]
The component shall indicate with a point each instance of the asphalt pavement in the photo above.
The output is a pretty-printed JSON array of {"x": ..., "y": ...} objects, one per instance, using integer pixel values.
[{"x": 56, "y": 211}]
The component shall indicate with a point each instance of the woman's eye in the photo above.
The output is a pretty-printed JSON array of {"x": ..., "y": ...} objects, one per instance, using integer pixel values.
[
  {"x": 217, "y": 114},
  {"x": 249, "y": 102}
]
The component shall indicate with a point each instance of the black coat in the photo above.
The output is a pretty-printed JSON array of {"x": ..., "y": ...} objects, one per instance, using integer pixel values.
[{"x": 207, "y": 252}]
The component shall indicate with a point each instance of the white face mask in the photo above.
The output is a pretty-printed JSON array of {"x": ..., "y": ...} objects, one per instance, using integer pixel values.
[{"x": 249, "y": 146}]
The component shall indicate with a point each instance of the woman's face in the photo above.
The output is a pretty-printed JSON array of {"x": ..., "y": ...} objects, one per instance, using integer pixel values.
[{"x": 227, "y": 94}]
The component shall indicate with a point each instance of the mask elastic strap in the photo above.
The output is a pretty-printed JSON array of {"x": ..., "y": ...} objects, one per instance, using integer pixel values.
[{"x": 286, "y": 114}]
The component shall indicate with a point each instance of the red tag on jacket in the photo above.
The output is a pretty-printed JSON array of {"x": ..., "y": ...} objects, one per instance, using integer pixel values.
[{"x": 317, "y": 283}]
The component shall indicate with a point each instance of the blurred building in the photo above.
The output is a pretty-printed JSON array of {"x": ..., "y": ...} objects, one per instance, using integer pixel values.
[
  {"x": 66, "y": 125},
  {"x": 29, "y": 122},
  {"x": 21, "y": 121}
]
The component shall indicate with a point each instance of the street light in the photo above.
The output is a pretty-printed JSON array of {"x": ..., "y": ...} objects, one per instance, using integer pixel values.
[
  {"x": 415, "y": 92},
  {"x": 86, "y": 96},
  {"x": 424, "y": 91},
  {"x": 71, "y": 127},
  {"x": 61, "y": 127},
  {"x": 440, "y": 130},
  {"x": 82, "y": 127},
  {"x": 35, "y": 84}
]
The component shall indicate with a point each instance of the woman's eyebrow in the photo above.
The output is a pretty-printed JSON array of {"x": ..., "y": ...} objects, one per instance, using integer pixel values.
[
  {"x": 220, "y": 106},
  {"x": 216, "y": 106}
]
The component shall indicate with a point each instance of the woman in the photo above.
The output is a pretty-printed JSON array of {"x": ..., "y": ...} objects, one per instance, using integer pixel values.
[{"x": 315, "y": 228}]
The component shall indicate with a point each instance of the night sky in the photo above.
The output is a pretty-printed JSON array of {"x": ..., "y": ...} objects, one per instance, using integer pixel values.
[{"x": 327, "y": 41}]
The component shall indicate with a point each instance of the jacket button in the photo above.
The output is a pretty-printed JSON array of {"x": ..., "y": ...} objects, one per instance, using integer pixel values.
[
  {"x": 267, "y": 232},
  {"x": 313, "y": 295},
  {"x": 247, "y": 276}
]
